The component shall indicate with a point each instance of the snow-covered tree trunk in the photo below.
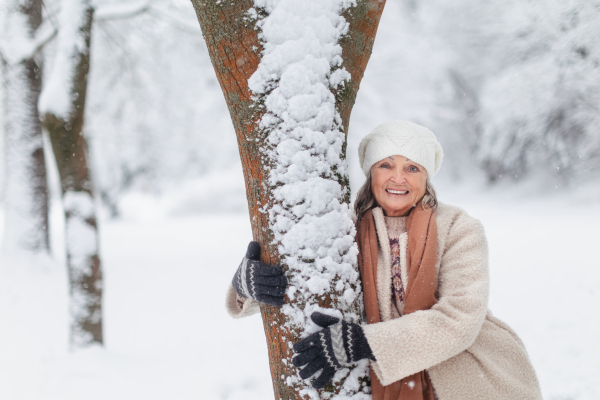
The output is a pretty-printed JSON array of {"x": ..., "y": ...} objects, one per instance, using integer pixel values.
[
  {"x": 62, "y": 104},
  {"x": 26, "y": 192},
  {"x": 290, "y": 71}
]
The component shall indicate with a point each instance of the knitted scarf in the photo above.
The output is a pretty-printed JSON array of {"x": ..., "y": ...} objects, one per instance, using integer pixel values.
[{"x": 421, "y": 259}]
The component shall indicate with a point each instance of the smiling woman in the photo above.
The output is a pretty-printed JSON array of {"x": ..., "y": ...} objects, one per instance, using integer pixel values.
[
  {"x": 425, "y": 279},
  {"x": 424, "y": 270}
]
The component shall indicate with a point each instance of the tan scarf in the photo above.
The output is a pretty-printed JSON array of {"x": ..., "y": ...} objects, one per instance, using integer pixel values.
[{"x": 421, "y": 259}]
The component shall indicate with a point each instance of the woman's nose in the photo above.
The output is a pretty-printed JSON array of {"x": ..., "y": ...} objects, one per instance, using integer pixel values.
[{"x": 399, "y": 176}]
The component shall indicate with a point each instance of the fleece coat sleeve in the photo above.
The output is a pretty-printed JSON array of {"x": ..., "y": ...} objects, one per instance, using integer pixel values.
[
  {"x": 426, "y": 338},
  {"x": 238, "y": 306}
]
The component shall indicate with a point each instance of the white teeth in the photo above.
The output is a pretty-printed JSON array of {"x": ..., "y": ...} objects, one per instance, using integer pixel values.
[{"x": 396, "y": 191}]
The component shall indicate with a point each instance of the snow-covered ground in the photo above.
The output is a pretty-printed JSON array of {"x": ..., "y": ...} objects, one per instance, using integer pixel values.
[{"x": 168, "y": 335}]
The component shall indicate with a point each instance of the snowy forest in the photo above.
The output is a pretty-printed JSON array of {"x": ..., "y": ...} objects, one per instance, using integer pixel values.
[{"x": 124, "y": 209}]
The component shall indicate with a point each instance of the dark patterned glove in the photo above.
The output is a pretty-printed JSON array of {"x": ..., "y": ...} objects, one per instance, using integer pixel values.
[
  {"x": 262, "y": 282},
  {"x": 339, "y": 344}
]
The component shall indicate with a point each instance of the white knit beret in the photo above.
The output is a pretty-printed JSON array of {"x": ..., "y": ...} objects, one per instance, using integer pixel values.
[{"x": 403, "y": 138}]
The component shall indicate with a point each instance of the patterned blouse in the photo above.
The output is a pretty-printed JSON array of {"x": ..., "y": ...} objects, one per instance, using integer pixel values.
[{"x": 396, "y": 227}]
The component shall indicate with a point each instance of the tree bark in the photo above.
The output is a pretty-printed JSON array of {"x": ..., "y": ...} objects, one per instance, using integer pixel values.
[
  {"x": 64, "y": 124},
  {"x": 26, "y": 191},
  {"x": 235, "y": 51}
]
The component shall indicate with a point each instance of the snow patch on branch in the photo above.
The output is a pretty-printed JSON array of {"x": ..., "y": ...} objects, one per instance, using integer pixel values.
[
  {"x": 297, "y": 79},
  {"x": 82, "y": 248},
  {"x": 17, "y": 45},
  {"x": 79, "y": 203},
  {"x": 15, "y": 39},
  {"x": 56, "y": 96},
  {"x": 81, "y": 237}
]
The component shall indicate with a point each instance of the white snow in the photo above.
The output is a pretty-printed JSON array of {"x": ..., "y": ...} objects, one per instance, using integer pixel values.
[
  {"x": 20, "y": 141},
  {"x": 21, "y": 137},
  {"x": 305, "y": 138},
  {"x": 70, "y": 43},
  {"x": 298, "y": 75},
  {"x": 168, "y": 334},
  {"x": 16, "y": 43},
  {"x": 81, "y": 239},
  {"x": 79, "y": 203}
]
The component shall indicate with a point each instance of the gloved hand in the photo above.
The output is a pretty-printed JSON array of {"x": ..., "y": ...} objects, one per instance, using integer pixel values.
[
  {"x": 339, "y": 344},
  {"x": 262, "y": 282}
]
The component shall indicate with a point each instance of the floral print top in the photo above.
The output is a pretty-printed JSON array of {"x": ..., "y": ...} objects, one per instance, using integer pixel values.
[
  {"x": 397, "y": 286},
  {"x": 396, "y": 227}
]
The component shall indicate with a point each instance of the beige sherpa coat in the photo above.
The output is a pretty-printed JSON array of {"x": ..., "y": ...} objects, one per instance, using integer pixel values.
[{"x": 468, "y": 353}]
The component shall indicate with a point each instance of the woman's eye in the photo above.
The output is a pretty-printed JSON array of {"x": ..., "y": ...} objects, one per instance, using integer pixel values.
[
  {"x": 384, "y": 165},
  {"x": 412, "y": 168}
]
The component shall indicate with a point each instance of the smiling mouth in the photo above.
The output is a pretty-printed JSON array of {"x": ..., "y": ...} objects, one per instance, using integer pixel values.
[{"x": 396, "y": 191}]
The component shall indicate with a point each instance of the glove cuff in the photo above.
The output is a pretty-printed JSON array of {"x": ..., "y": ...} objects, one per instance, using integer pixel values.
[
  {"x": 244, "y": 279},
  {"x": 348, "y": 343},
  {"x": 358, "y": 343},
  {"x": 337, "y": 343}
]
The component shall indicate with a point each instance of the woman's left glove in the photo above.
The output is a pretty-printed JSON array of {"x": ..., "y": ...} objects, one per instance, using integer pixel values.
[
  {"x": 339, "y": 344},
  {"x": 262, "y": 282}
]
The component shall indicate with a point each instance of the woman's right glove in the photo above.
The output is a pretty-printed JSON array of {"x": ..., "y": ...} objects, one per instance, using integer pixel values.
[
  {"x": 262, "y": 282},
  {"x": 339, "y": 344}
]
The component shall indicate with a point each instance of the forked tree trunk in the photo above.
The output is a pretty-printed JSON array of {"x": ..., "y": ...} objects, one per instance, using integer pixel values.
[
  {"x": 235, "y": 51},
  {"x": 62, "y": 104},
  {"x": 26, "y": 191}
]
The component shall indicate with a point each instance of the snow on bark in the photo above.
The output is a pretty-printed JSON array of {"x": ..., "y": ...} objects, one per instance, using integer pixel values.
[
  {"x": 297, "y": 80},
  {"x": 22, "y": 49},
  {"x": 84, "y": 268},
  {"x": 71, "y": 43},
  {"x": 25, "y": 192}
]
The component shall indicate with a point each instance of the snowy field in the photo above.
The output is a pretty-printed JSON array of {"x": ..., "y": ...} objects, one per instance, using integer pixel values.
[{"x": 168, "y": 335}]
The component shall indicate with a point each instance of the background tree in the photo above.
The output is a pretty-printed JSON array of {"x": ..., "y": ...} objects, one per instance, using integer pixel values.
[
  {"x": 27, "y": 31},
  {"x": 281, "y": 194},
  {"x": 62, "y": 105},
  {"x": 26, "y": 191}
]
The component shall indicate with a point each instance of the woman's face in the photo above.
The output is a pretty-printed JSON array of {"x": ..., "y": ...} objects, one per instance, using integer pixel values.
[{"x": 397, "y": 184}]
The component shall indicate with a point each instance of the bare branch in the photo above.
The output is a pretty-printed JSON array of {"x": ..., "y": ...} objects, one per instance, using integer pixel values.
[
  {"x": 43, "y": 38},
  {"x": 50, "y": 15},
  {"x": 27, "y": 48}
]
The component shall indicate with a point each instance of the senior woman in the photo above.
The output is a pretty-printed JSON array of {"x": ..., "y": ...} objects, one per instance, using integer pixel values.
[{"x": 424, "y": 270}]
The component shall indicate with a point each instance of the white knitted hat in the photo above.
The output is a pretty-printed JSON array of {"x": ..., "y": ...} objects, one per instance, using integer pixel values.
[{"x": 403, "y": 138}]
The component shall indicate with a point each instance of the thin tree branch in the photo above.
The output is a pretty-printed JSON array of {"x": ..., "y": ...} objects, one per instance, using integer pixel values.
[
  {"x": 41, "y": 40},
  {"x": 50, "y": 15},
  {"x": 30, "y": 48}
]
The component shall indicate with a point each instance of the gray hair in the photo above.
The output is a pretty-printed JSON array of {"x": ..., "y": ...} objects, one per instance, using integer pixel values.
[{"x": 365, "y": 200}]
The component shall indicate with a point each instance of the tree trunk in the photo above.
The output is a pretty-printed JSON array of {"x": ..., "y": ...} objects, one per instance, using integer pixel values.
[
  {"x": 236, "y": 52},
  {"x": 26, "y": 191},
  {"x": 62, "y": 104}
]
